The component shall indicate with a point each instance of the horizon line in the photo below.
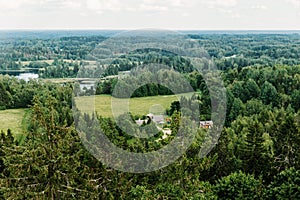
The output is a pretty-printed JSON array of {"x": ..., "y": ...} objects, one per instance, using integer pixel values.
[{"x": 130, "y": 29}]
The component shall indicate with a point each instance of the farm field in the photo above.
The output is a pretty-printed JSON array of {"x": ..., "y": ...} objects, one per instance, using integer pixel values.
[
  {"x": 26, "y": 63},
  {"x": 102, "y": 104},
  {"x": 12, "y": 119}
]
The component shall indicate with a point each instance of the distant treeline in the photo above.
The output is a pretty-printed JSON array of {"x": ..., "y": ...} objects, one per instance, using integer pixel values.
[{"x": 226, "y": 50}]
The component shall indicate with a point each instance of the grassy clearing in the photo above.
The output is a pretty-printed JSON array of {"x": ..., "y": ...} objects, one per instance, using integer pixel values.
[
  {"x": 102, "y": 104},
  {"x": 12, "y": 119},
  {"x": 26, "y": 63},
  {"x": 59, "y": 80}
]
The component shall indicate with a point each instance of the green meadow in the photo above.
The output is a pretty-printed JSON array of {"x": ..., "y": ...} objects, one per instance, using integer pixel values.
[
  {"x": 103, "y": 104},
  {"x": 12, "y": 119}
]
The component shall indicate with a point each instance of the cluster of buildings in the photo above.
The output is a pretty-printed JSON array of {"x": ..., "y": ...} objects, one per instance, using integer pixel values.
[
  {"x": 160, "y": 120},
  {"x": 157, "y": 119}
]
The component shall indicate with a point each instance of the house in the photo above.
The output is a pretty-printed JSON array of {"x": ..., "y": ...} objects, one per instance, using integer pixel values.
[
  {"x": 158, "y": 119},
  {"x": 206, "y": 124}
]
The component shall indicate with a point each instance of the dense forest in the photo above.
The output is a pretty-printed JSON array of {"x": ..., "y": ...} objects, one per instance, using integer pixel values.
[
  {"x": 69, "y": 53},
  {"x": 257, "y": 155}
]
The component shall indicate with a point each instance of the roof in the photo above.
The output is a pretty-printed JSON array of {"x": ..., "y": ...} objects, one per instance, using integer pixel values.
[
  {"x": 206, "y": 124},
  {"x": 156, "y": 118},
  {"x": 139, "y": 122},
  {"x": 150, "y": 115}
]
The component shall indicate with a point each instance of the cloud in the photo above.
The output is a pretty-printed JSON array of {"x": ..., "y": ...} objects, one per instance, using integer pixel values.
[
  {"x": 161, "y": 6},
  {"x": 259, "y": 7},
  {"x": 132, "y": 6},
  {"x": 32, "y": 7},
  {"x": 230, "y": 13},
  {"x": 219, "y": 3},
  {"x": 170, "y": 3},
  {"x": 17, "y": 8},
  {"x": 164, "y": 13},
  {"x": 72, "y": 4},
  {"x": 13, "y": 5},
  {"x": 36, "y": 6},
  {"x": 55, "y": 5},
  {"x": 294, "y": 2},
  {"x": 104, "y": 5},
  {"x": 145, "y": 7},
  {"x": 177, "y": 3}
]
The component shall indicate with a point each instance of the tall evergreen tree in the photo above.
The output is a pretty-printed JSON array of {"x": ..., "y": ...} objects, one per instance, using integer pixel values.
[{"x": 48, "y": 165}]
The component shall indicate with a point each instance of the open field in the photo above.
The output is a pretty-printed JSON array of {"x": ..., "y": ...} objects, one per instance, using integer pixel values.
[
  {"x": 12, "y": 119},
  {"x": 102, "y": 104},
  {"x": 26, "y": 63}
]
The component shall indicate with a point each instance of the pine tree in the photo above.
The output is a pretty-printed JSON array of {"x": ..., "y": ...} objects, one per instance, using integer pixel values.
[{"x": 48, "y": 165}]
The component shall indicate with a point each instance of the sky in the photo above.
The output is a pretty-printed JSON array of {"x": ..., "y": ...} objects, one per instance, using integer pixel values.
[{"x": 160, "y": 14}]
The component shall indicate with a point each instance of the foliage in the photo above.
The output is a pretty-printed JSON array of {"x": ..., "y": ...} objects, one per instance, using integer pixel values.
[
  {"x": 17, "y": 93},
  {"x": 238, "y": 186},
  {"x": 257, "y": 155},
  {"x": 47, "y": 165},
  {"x": 286, "y": 185}
]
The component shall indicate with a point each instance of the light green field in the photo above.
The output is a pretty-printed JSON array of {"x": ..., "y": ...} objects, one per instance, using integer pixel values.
[
  {"x": 26, "y": 63},
  {"x": 103, "y": 104},
  {"x": 12, "y": 119}
]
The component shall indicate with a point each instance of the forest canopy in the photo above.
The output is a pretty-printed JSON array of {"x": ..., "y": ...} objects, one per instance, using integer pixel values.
[{"x": 256, "y": 157}]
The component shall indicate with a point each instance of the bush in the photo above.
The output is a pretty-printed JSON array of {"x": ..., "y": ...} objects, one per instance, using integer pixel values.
[
  {"x": 286, "y": 185},
  {"x": 238, "y": 185}
]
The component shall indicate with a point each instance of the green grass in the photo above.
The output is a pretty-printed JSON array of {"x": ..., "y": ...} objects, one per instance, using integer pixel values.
[
  {"x": 26, "y": 63},
  {"x": 12, "y": 119},
  {"x": 102, "y": 104}
]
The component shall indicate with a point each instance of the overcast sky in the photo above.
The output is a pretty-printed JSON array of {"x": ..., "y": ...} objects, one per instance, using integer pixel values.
[{"x": 136, "y": 14}]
